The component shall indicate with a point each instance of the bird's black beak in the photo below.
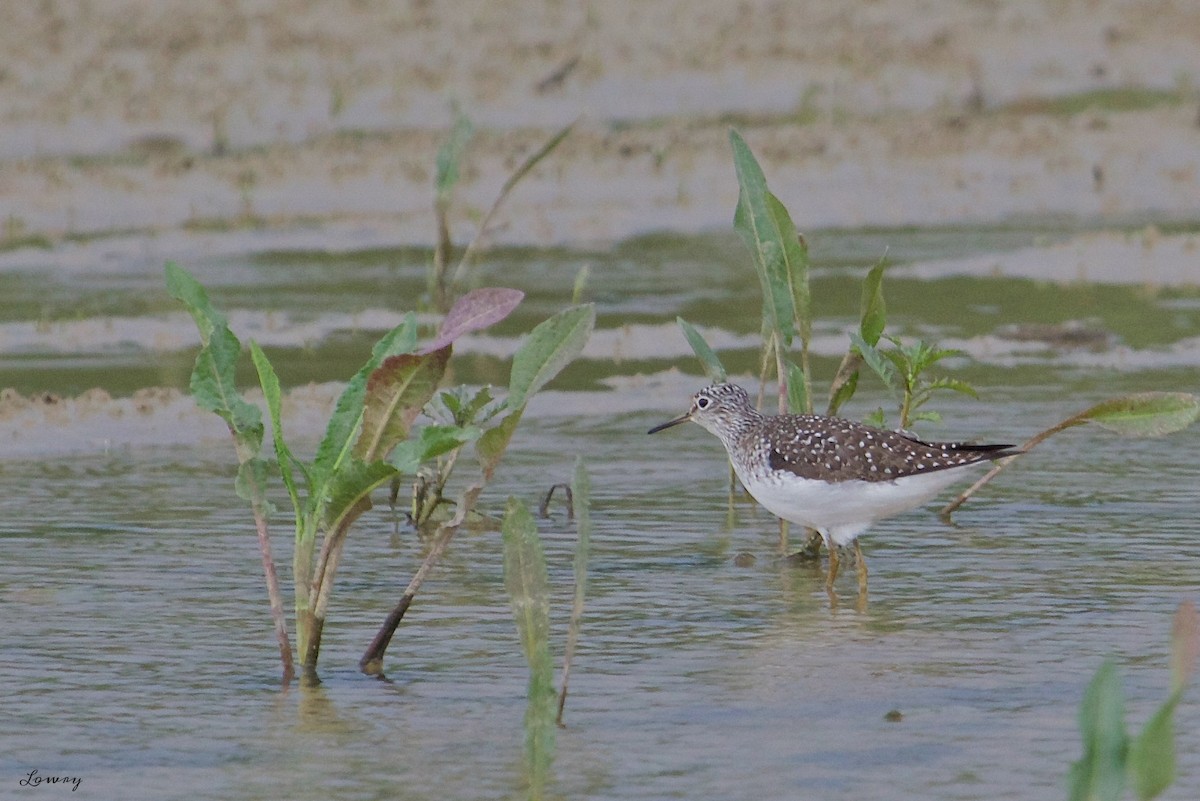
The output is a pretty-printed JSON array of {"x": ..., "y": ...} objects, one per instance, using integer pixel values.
[{"x": 671, "y": 423}]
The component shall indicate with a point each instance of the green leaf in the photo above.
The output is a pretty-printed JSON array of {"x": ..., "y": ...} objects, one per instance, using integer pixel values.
[
  {"x": 213, "y": 384},
  {"x": 581, "y": 279},
  {"x": 1100, "y": 774},
  {"x": 491, "y": 446},
  {"x": 795, "y": 256},
  {"x": 708, "y": 358},
  {"x": 528, "y": 589},
  {"x": 756, "y": 220},
  {"x": 348, "y": 412},
  {"x": 396, "y": 393},
  {"x": 526, "y": 580},
  {"x": 350, "y": 484},
  {"x": 581, "y": 492},
  {"x": 431, "y": 442},
  {"x": 845, "y": 383},
  {"x": 796, "y": 388},
  {"x": 269, "y": 381},
  {"x": 953, "y": 384},
  {"x": 1152, "y": 753},
  {"x": 877, "y": 360},
  {"x": 872, "y": 309},
  {"x": 876, "y": 418},
  {"x": 550, "y": 346},
  {"x": 1145, "y": 414}
]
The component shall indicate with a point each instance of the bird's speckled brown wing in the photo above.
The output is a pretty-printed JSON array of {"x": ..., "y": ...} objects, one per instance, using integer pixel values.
[{"x": 833, "y": 449}]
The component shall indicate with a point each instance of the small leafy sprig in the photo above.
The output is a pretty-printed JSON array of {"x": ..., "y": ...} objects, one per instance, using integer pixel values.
[{"x": 902, "y": 369}]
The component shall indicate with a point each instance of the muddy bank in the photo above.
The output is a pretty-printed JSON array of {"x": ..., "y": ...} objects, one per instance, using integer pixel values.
[{"x": 124, "y": 116}]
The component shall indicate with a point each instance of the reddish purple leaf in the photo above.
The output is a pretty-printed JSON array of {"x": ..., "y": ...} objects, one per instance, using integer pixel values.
[{"x": 477, "y": 309}]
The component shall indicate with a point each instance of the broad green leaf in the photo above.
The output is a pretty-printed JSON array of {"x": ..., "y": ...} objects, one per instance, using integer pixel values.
[
  {"x": 431, "y": 442},
  {"x": 1146, "y": 414},
  {"x": 349, "y": 484},
  {"x": 477, "y": 309},
  {"x": 755, "y": 219},
  {"x": 212, "y": 382},
  {"x": 1100, "y": 774},
  {"x": 795, "y": 257},
  {"x": 491, "y": 446},
  {"x": 550, "y": 346},
  {"x": 877, "y": 360},
  {"x": 708, "y": 358},
  {"x": 872, "y": 309},
  {"x": 269, "y": 381},
  {"x": 1152, "y": 753},
  {"x": 449, "y": 157},
  {"x": 348, "y": 412},
  {"x": 396, "y": 392},
  {"x": 796, "y": 389}
]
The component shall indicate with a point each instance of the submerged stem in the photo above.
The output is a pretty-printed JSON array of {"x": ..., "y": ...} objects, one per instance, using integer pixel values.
[{"x": 372, "y": 659}]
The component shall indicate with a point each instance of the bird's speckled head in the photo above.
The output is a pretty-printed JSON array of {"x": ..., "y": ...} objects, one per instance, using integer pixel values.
[{"x": 723, "y": 409}]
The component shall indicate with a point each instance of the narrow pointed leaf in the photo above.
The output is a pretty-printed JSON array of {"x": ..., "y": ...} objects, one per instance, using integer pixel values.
[
  {"x": 449, "y": 157},
  {"x": 877, "y": 360},
  {"x": 952, "y": 384},
  {"x": 755, "y": 219},
  {"x": 581, "y": 492},
  {"x": 269, "y": 381},
  {"x": 475, "y": 310},
  {"x": 396, "y": 392},
  {"x": 872, "y": 309},
  {"x": 797, "y": 399},
  {"x": 528, "y": 589},
  {"x": 708, "y": 358},
  {"x": 1146, "y": 414},
  {"x": 845, "y": 381},
  {"x": 550, "y": 346}
]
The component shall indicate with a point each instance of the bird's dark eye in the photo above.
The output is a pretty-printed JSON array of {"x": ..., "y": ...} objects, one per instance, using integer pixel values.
[{"x": 701, "y": 403}]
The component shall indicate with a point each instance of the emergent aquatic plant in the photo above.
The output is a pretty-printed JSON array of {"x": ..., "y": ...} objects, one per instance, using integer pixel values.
[
  {"x": 527, "y": 581},
  {"x": 367, "y": 440},
  {"x": 780, "y": 257},
  {"x": 1112, "y": 760}
]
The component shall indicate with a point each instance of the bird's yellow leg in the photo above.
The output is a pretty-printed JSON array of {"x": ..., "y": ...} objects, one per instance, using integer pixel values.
[
  {"x": 861, "y": 564},
  {"x": 833, "y": 565}
]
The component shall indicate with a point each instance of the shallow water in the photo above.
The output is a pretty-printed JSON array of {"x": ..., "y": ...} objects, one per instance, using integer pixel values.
[{"x": 137, "y": 641}]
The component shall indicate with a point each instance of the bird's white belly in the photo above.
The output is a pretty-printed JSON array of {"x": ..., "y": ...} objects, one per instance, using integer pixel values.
[{"x": 842, "y": 510}]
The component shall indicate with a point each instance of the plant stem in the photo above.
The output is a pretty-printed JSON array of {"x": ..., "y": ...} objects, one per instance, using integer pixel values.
[
  {"x": 372, "y": 659},
  {"x": 274, "y": 595}
]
